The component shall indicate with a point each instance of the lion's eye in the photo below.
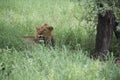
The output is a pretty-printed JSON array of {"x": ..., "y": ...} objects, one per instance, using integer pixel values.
[
  {"x": 45, "y": 31},
  {"x": 41, "y": 33}
]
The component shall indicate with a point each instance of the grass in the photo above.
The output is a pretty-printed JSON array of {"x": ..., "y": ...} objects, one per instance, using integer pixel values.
[
  {"x": 67, "y": 28},
  {"x": 74, "y": 35},
  {"x": 54, "y": 64}
]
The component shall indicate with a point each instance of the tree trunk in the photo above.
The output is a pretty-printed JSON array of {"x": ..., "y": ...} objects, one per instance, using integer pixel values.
[{"x": 104, "y": 34}]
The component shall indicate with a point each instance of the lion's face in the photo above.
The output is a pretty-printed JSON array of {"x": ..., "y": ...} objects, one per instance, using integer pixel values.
[{"x": 44, "y": 32}]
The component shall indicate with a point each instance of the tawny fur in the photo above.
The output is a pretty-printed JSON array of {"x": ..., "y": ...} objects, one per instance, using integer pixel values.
[{"x": 42, "y": 33}]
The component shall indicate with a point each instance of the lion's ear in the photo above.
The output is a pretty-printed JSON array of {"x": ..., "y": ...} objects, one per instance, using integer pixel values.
[
  {"x": 37, "y": 28},
  {"x": 45, "y": 24},
  {"x": 50, "y": 28}
]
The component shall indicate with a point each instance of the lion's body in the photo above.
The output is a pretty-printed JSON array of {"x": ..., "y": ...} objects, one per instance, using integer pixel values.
[{"x": 30, "y": 38}]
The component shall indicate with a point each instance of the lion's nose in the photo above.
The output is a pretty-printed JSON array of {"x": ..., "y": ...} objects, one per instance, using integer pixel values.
[{"x": 40, "y": 36}]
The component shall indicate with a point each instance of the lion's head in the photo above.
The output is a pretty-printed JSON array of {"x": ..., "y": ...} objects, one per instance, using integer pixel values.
[{"x": 44, "y": 32}]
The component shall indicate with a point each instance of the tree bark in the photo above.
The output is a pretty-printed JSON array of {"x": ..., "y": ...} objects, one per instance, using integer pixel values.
[
  {"x": 104, "y": 34},
  {"x": 106, "y": 25}
]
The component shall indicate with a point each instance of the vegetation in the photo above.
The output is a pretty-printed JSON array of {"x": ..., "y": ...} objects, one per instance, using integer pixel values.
[{"x": 74, "y": 23}]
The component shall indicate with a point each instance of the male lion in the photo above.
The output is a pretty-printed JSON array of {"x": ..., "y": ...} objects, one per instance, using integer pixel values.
[{"x": 43, "y": 35}]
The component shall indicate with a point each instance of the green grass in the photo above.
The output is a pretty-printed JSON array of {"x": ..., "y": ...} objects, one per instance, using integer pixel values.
[
  {"x": 74, "y": 30},
  {"x": 69, "y": 28},
  {"x": 54, "y": 64}
]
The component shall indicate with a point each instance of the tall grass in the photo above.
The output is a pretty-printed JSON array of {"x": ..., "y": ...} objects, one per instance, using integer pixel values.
[
  {"x": 54, "y": 64},
  {"x": 25, "y": 15},
  {"x": 74, "y": 32}
]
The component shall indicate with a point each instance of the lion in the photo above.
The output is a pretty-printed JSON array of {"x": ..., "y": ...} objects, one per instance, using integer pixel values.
[{"x": 43, "y": 35}]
